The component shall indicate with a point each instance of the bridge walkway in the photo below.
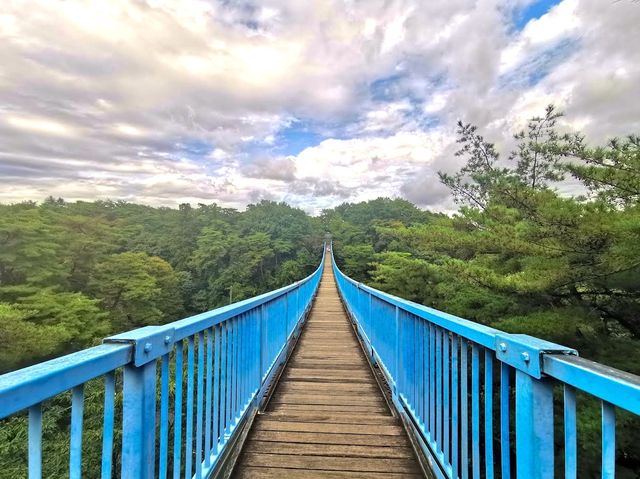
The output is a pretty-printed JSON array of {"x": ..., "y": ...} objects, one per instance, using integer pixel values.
[{"x": 327, "y": 417}]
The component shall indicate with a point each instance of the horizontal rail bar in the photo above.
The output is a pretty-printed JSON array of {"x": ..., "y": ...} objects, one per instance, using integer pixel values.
[
  {"x": 26, "y": 387},
  {"x": 192, "y": 325},
  {"x": 478, "y": 333},
  {"x": 616, "y": 387}
]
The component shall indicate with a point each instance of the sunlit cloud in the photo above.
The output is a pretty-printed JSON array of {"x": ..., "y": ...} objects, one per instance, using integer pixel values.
[
  {"x": 40, "y": 125},
  {"x": 128, "y": 130},
  {"x": 314, "y": 103}
]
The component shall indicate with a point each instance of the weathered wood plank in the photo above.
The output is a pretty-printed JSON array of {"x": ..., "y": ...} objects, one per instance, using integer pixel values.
[
  {"x": 268, "y": 424},
  {"x": 280, "y": 473},
  {"x": 314, "y": 400},
  {"x": 329, "y": 438},
  {"x": 271, "y": 447},
  {"x": 291, "y": 385},
  {"x": 332, "y": 417},
  {"x": 331, "y": 463},
  {"x": 329, "y": 408}
]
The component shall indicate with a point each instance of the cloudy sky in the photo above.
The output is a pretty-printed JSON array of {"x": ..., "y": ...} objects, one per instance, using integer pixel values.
[{"x": 311, "y": 102}]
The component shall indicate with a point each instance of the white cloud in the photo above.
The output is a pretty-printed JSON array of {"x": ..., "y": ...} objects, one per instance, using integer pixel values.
[
  {"x": 164, "y": 101},
  {"x": 560, "y": 22},
  {"x": 40, "y": 125}
]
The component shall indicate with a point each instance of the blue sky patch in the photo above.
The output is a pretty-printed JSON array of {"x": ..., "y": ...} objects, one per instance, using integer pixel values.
[
  {"x": 193, "y": 149},
  {"x": 539, "y": 65},
  {"x": 296, "y": 137},
  {"x": 534, "y": 10},
  {"x": 386, "y": 88}
]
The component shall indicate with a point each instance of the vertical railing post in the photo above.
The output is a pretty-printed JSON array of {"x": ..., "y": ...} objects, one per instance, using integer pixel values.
[
  {"x": 139, "y": 421},
  {"x": 398, "y": 367},
  {"x": 286, "y": 316},
  {"x": 534, "y": 402},
  {"x": 261, "y": 335},
  {"x": 534, "y": 427},
  {"x": 139, "y": 398}
]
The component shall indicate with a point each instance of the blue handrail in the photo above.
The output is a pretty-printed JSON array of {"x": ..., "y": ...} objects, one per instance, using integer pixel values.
[
  {"x": 447, "y": 373},
  {"x": 232, "y": 355}
]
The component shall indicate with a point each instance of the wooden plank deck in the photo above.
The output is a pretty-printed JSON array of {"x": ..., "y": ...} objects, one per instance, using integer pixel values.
[{"x": 327, "y": 417}]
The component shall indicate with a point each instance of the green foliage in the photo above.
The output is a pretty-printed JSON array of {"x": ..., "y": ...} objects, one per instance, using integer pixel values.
[
  {"x": 137, "y": 289},
  {"x": 73, "y": 273},
  {"x": 612, "y": 172},
  {"x": 358, "y": 258},
  {"x": 21, "y": 339}
]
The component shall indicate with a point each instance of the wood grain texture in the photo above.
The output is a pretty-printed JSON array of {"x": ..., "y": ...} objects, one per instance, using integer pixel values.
[{"x": 327, "y": 417}]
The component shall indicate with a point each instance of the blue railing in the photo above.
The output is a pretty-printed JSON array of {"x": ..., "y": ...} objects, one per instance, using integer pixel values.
[
  {"x": 446, "y": 373},
  {"x": 232, "y": 355}
]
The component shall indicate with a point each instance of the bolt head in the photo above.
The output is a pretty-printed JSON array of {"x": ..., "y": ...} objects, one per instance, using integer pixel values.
[
  {"x": 167, "y": 339},
  {"x": 147, "y": 347},
  {"x": 525, "y": 357},
  {"x": 503, "y": 347}
]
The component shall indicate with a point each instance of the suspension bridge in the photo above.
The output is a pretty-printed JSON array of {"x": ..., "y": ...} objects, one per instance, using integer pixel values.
[{"x": 325, "y": 378}]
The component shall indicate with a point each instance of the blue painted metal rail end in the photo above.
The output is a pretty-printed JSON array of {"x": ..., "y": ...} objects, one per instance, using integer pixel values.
[{"x": 182, "y": 391}]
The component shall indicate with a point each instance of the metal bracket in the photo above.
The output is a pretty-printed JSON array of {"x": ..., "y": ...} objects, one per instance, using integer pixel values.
[
  {"x": 525, "y": 352},
  {"x": 149, "y": 342}
]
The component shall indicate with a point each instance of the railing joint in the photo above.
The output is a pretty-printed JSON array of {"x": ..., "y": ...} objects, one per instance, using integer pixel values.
[
  {"x": 149, "y": 342},
  {"x": 526, "y": 353}
]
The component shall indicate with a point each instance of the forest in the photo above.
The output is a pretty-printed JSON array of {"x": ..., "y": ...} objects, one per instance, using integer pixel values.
[{"x": 517, "y": 255}]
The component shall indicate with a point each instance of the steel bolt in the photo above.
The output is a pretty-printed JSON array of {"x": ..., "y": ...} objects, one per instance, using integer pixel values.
[
  {"x": 525, "y": 357},
  {"x": 167, "y": 339},
  {"x": 503, "y": 347},
  {"x": 147, "y": 347}
]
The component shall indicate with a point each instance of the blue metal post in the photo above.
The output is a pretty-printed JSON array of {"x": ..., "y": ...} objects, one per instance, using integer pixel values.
[
  {"x": 139, "y": 421},
  {"x": 534, "y": 427},
  {"x": 35, "y": 441},
  {"x": 398, "y": 356}
]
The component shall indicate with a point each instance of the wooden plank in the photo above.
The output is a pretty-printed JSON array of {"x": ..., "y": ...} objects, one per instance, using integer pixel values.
[
  {"x": 331, "y": 463},
  {"x": 364, "y": 372},
  {"x": 268, "y": 424},
  {"x": 325, "y": 397},
  {"x": 329, "y": 438},
  {"x": 280, "y": 473},
  {"x": 327, "y": 377},
  {"x": 347, "y": 365},
  {"x": 360, "y": 388},
  {"x": 332, "y": 417},
  {"x": 333, "y": 408},
  {"x": 312, "y": 400},
  {"x": 341, "y": 450}
]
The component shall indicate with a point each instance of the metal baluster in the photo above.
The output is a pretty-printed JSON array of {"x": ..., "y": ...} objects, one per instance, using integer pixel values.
[
  {"x": 475, "y": 410},
  {"x": 107, "y": 426},
  {"x": 505, "y": 444},
  {"x": 464, "y": 409},
  {"x": 177, "y": 421},
  {"x": 608, "y": 441},
  {"x": 35, "y": 441},
  {"x": 199, "y": 401},
  {"x": 77, "y": 411},
  {"x": 207, "y": 414},
  {"x": 488, "y": 413},
  {"x": 455, "y": 343},
  {"x": 164, "y": 415},
  {"x": 189, "y": 429},
  {"x": 446, "y": 378}
]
